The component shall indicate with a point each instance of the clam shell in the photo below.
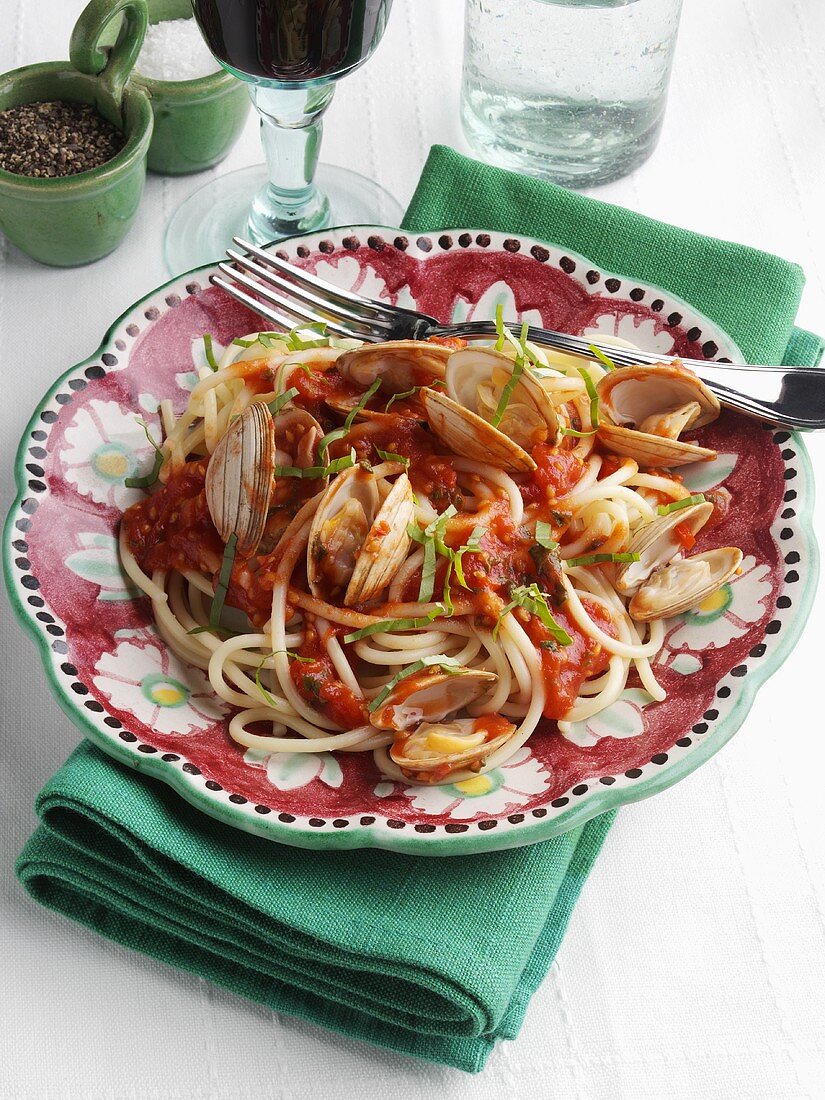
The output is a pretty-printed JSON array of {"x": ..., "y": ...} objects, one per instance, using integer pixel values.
[
  {"x": 684, "y": 584},
  {"x": 629, "y": 395},
  {"x": 471, "y": 436},
  {"x": 421, "y": 760},
  {"x": 657, "y": 545},
  {"x": 400, "y": 364},
  {"x": 530, "y": 416},
  {"x": 386, "y": 545},
  {"x": 354, "y": 484},
  {"x": 651, "y": 450},
  {"x": 239, "y": 478},
  {"x": 429, "y": 696}
]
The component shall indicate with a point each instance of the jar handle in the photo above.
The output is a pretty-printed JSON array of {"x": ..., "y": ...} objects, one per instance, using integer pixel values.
[{"x": 111, "y": 65}]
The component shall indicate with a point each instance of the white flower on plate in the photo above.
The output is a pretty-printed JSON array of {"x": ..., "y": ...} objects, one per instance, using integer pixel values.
[
  {"x": 105, "y": 445},
  {"x": 144, "y": 678},
  {"x": 349, "y": 274},
  {"x": 726, "y": 614},
  {"x": 499, "y": 294},
  {"x": 494, "y": 792},
  {"x": 701, "y": 476},
  {"x": 289, "y": 770},
  {"x": 641, "y": 332},
  {"x": 623, "y": 718},
  {"x": 98, "y": 562}
]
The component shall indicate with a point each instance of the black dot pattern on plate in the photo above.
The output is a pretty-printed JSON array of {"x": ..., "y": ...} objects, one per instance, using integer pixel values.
[
  {"x": 326, "y": 247},
  {"x": 352, "y": 244},
  {"x": 77, "y": 384},
  {"x": 791, "y": 577},
  {"x": 633, "y": 773},
  {"x": 238, "y": 799},
  {"x": 124, "y": 735},
  {"x": 262, "y": 810},
  {"x": 659, "y": 758},
  {"x": 148, "y": 749},
  {"x": 423, "y": 827},
  {"x": 465, "y": 240},
  {"x": 456, "y": 828},
  {"x": 792, "y": 558},
  {"x": 580, "y": 789},
  {"x": 684, "y": 742},
  {"x": 516, "y": 819},
  {"x": 402, "y": 243},
  {"x": 511, "y": 245},
  {"x": 486, "y": 825},
  {"x": 133, "y": 330},
  {"x": 95, "y": 372},
  {"x": 693, "y": 334},
  {"x": 445, "y": 241},
  {"x": 608, "y": 780},
  {"x": 376, "y": 243},
  {"x": 636, "y": 294},
  {"x": 657, "y": 305},
  {"x": 567, "y": 265},
  {"x": 211, "y": 785},
  {"x": 700, "y": 728},
  {"x": 709, "y": 349},
  {"x": 540, "y": 812},
  {"x": 612, "y": 285},
  {"x": 424, "y": 244},
  {"x": 286, "y": 818},
  {"x": 674, "y": 319},
  {"x": 483, "y": 240},
  {"x": 191, "y": 769},
  {"x": 340, "y": 823},
  {"x": 108, "y": 359},
  {"x": 592, "y": 276},
  {"x": 540, "y": 254},
  {"x": 170, "y": 757},
  {"x": 394, "y": 823}
]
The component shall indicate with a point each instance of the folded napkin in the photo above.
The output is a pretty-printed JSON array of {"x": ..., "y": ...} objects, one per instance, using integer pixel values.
[{"x": 437, "y": 958}]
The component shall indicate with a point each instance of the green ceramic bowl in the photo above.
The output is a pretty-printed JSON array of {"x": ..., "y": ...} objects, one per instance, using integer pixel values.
[
  {"x": 196, "y": 121},
  {"x": 73, "y": 220}
]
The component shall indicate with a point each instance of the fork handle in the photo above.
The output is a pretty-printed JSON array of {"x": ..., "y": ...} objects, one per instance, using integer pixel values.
[{"x": 792, "y": 397}]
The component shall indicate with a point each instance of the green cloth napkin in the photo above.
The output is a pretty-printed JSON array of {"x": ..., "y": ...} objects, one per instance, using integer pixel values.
[
  {"x": 752, "y": 295},
  {"x": 437, "y": 958}
]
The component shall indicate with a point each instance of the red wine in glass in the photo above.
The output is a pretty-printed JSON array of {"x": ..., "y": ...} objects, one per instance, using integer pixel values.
[
  {"x": 290, "y": 53},
  {"x": 291, "y": 41}
]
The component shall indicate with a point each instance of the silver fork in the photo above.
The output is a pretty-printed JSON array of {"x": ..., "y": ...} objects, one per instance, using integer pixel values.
[{"x": 791, "y": 397}]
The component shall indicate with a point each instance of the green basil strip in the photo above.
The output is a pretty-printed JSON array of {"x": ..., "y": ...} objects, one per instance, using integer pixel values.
[
  {"x": 544, "y": 536},
  {"x": 339, "y": 433},
  {"x": 389, "y": 456},
  {"x": 208, "y": 352},
  {"x": 532, "y": 599},
  {"x": 335, "y": 467},
  {"x": 392, "y": 624},
  {"x": 578, "y": 435},
  {"x": 594, "y": 397},
  {"x": 512, "y": 382},
  {"x": 600, "y": 559},
  {"x": 449, "y": 664},
  {"x": 676, "y": 505},
  {"x": 223, "y": 581},
  {"x": 150, "y": 478},
  {"x": 278, "y": 403},
  {"x": 605, "y": 360}
]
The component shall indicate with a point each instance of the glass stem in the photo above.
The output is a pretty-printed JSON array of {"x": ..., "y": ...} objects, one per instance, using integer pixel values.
[{"x": 291, "y": 129}]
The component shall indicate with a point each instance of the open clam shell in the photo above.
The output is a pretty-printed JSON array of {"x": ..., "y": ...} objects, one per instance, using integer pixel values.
[
  {"x": 657, "y": 544},
  {"x": 475, "y": 379},
  {"x": 684, "y": 584},
  {"x": 356, "y": 543},
  {"x": 472, "y": 437},
  {"x": 435, "y": 750},
  {"x": 400, "y": 364},
  {"x": 239, "y": 478},
  {"x": 430, "y": 695},
  {"x": 643, "y": 410}
]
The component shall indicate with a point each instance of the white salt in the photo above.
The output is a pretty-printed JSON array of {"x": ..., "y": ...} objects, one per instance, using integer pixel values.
[{"x": 174, "y": 50}]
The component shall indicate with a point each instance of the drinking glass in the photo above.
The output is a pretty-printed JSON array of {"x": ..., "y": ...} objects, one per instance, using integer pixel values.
[
  {"x": 290, "y": 53},
  {"x": 571, "y": 90}
]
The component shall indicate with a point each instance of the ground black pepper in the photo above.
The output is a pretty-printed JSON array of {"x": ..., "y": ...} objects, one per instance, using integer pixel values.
[{"x": 55, "y": 139}]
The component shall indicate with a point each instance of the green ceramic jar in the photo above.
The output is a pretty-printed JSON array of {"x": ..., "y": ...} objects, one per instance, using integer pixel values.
[
  {"x": 72, "y": 220},
  {"x": 196, "y": 121}
]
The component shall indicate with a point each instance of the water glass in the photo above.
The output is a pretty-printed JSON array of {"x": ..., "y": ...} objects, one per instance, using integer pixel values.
[{"x": 571, "y": 90}]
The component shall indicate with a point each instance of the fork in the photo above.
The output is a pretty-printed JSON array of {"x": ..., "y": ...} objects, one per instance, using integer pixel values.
[{"x": 790, "y": 397}]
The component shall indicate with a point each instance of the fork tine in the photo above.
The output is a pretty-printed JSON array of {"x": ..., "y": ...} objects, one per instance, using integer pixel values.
[
  {"x": 298, "y": 312},
  {"x": 270, "y": 278},
  {"x": 254, "y": 303},
  {"x": 328, "y": 290}
]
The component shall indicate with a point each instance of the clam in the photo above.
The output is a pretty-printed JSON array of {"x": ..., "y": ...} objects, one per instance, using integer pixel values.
[
  {"x": 684, "y": 583},
  {"x": 400, "y": 364},
  {"x": 664, "y": 582},
  {"x": 435, "y": 750},
  {"x": 239, "y": 478},
  {"x": 297, "y": 434},
  {"x": 430, "y": 695},
  {"x": 461, "y": 417},
  {"x": 644, "y": 409},
  {"x": 356, "y": 542}
]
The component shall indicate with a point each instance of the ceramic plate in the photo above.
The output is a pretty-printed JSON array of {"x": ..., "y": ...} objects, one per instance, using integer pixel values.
[{"x": 117, "y": 680}]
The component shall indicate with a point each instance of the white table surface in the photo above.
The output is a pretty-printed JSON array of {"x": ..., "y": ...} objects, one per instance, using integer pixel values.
[{"x": 694, "y": 964}]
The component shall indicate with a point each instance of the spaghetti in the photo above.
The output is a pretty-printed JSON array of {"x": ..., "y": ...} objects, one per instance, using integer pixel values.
[{"x": 421, "y": 550}]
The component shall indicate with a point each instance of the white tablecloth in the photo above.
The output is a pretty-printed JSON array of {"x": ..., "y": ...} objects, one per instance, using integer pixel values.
[{"x": 694, "y": 965}]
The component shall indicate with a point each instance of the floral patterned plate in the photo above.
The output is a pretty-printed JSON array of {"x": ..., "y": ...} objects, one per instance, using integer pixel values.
[{"x": 117, "y": 680}]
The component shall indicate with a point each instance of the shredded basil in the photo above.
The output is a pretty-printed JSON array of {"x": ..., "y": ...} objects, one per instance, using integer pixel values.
[
  {"x": 676, "y": 505},
  {"x": 389, "y": 456},
  {"x": 393, "y": 624},
  {"x": 448, "y": 664},
  {"x": 244, "y": 343},
  {"x": 208, "y": 352},
  {"x": 223, "y": 581},
  {"x": 594, "y": 398},
  {"x": 150, "y": 478},
  {"x": 532, "y": 599},
  {"x": 278, "y": 403},
  {"x": 544, "y": 536},
  {"x": 605, "y": 360},
  {"x": 339, "y": 433},
  {"x": 512, "y": 381},
  {"x": 600, "y": 559},
  {"x": 334, "y": 467}
]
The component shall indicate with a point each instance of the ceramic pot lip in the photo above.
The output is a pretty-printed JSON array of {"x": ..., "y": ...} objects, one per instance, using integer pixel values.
[
  {"x": 199, "y": 88},
  {"x": 138, "y": 137}
]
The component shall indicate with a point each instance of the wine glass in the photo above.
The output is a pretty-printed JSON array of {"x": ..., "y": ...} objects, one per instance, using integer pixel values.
[{"x": 290, "y": 53}]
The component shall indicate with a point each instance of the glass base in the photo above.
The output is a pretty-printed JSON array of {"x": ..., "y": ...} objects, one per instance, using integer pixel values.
[{"x": 202, "y": 227}]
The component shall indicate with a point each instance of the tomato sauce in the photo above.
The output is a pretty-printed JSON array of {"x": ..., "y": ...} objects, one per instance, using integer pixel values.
[
  {"x": 556, "y": 473},
  {"x": 566, "y": 668},
  {"x": 316, "y": 681}
]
